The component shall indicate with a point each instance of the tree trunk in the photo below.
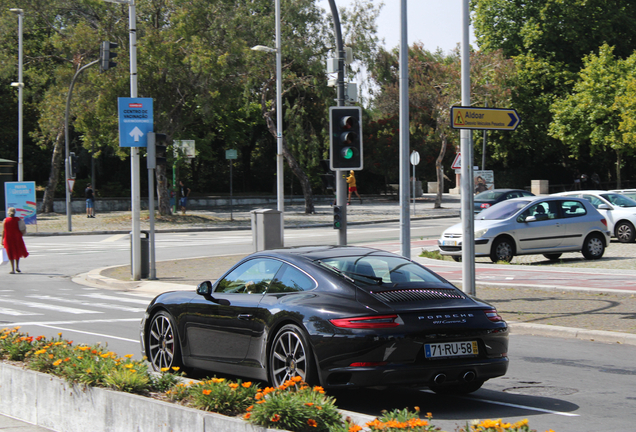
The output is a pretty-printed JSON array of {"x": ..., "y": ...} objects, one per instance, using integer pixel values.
[
  {"x": 163, "y": 194},
  {"x": 56, "y": 160},
  {"x": 291, "y": 160},
  {"x": 440, "y": 172},
  {"x": 618, "y": 169}
]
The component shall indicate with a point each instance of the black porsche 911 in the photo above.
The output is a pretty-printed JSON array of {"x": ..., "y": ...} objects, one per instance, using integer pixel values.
[{"x": 337, "y": 316}]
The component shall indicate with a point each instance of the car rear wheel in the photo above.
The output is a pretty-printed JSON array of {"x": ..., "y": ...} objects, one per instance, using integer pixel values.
[
  {"x": 625, "y": 232},
  {"x": 502, "y": 250},
  {"x": 552, "y": 256},
  {"x": 457, "y": 389},
  {"x": 163, "y": 343},
  {"x": 290, "y": 356},
  {"x": 593, "y": 247}
]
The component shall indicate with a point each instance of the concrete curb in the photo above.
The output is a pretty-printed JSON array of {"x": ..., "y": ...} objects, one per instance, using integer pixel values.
[
  {"x": 572, "y": 333},
  {"x": 50, "y": 402}
]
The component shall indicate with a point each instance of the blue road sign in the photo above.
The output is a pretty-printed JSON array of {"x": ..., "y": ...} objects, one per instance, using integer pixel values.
[{"x": 135, "y": 121}]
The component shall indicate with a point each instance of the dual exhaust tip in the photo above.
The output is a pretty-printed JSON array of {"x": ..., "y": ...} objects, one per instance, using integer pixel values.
[{"x": 466, "y": 377}]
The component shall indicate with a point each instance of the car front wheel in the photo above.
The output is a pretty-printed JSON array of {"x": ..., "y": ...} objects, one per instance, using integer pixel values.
[
  {"x": 593, "y": 247},
  {"x": 163, "y": 343},
  {"x": 502, "y": 250},
  {"x": 625, "y": 232},
  {"x": 290, "y": 356}
]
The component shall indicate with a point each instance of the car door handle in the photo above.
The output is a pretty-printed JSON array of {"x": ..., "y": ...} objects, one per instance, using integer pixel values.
[{"x": 245, "y": 316}]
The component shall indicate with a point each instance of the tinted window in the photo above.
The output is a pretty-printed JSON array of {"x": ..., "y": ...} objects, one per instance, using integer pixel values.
[
  {"x": 488, "y": 196},
  {"x": 290, "y": 279},
  {"x": 595, "y": 201},
  {"x": 503, "y": 210},
  {"x": 380, "y": 269},
  {"x": 251, "y": 277},
  {"x": 572, "y": 209}
]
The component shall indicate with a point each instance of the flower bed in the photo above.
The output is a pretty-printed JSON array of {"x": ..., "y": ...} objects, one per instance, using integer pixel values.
[{"x": 82, "y": 397}]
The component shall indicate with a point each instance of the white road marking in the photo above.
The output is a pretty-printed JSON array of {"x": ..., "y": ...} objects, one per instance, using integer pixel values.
[
  {"x": 14, "y": 312},
  {"x": 46, "y": 306},
  {"x": 524, "y": 407},
  {"x": 89, "y": 333},
  {"x": 67, "y": 322},
  {"x": 120, "y": 299},
  {"x": 86, "y": 303}
]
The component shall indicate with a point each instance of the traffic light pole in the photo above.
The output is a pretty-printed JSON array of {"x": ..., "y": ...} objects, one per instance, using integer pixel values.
[
  {"x": 67, "y": 154},
  {"x": 341, "y": 184}
]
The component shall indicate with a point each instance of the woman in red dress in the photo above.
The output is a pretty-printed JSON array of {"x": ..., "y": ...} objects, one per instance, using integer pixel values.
[{"x": 12, "y": 240}]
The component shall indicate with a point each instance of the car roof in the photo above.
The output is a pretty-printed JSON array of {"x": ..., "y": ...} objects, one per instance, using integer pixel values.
[{"x": 321, "y": 252}]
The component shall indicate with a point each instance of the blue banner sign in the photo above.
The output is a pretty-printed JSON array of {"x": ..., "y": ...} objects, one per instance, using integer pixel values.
[{"x": 135, "y": 121}]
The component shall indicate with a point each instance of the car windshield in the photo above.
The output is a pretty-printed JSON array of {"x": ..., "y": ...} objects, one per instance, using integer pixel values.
[
  {"x": 619, "y": 200},
  {"x": 488, "y": 196},
  {"x": 378, "y": 270},
  {"x": 503, "y": 210}
]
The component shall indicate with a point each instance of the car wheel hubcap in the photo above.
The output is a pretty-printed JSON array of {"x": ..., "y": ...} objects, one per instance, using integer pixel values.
[
  {"x": 595, "y": 247},
  {"x": 504, "y": 251},
  {"x": 161, "y": 343},
  {"x": 288, "y": 358},
  {"x": 624, "y": 233}
]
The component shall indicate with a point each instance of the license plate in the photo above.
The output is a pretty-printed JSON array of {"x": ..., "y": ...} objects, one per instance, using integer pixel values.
[
  {"x": 451, "y": 349},
  {"x": 449, "y": 242}
]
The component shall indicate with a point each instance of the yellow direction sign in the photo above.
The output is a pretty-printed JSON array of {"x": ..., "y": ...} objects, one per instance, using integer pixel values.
[{"x": 484, "y": 118}]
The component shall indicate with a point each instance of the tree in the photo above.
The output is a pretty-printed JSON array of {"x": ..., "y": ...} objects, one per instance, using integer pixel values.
[{"x": 596, "y": 116}]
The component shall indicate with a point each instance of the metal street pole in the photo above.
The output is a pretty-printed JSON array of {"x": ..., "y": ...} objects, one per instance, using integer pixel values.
[
  {"x": 405, "y": 219},
  {"x": 69, "y": 213},
  {"x": 341, "y": 184},
  {"x": 468, "y": 222},
  {"x": 135, "y": 194},
  {"x": 20, "y": 85},
  {"x": 280, "y": 172}
]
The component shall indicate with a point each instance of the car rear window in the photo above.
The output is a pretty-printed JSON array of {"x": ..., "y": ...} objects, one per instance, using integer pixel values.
[{"x": 572, "y": 209}]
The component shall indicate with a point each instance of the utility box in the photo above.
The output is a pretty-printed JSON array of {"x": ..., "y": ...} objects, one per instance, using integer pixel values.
[
  {"x": 540, "y": 187},
  {"x": 145, "y": 254},
  {"x": 267, "y": 232}
]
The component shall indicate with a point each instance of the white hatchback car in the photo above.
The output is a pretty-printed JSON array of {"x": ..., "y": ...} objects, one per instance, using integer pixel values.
[
  {"x": 545, "y": 225},
  {"x": 619, "y": 210}
]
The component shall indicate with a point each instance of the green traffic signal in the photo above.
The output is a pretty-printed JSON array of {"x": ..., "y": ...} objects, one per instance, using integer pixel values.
[{"x": 347, "y": 152}]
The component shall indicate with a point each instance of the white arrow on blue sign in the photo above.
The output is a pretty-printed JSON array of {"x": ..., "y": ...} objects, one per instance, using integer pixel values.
[{"x": 135, "y": 121}]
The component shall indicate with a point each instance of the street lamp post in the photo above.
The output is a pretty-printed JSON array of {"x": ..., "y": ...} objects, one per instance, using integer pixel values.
[
  {"x": 20, "y": 86},
  {"x": 134, "y": 151},
  {"x": 280, "y": 184}
]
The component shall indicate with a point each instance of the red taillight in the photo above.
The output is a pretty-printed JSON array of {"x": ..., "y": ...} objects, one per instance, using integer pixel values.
[
  {"x": 604, "y": 222},
  {"x": 492, "y": 315},
  {"x": 485, "y": 205},
  {"x": 368, "y": 322},
  {"x": 367, "y": 364}
]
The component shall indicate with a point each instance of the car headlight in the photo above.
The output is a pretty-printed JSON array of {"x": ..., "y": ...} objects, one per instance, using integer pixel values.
[{"x": 481, "y": 232}]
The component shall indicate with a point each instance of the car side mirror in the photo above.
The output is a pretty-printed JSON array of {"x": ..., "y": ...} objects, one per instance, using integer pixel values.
[
  {"x": 531, "y": 219},
  {"x": 204, "y": 288},
  {"x": 603, "y": 207}
]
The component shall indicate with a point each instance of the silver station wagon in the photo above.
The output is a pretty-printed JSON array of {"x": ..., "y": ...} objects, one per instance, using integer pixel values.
[{"x": 547, "y": 225}]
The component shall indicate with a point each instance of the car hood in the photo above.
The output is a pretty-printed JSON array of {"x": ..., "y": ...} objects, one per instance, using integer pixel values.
[{"x": 479, "y": 224}]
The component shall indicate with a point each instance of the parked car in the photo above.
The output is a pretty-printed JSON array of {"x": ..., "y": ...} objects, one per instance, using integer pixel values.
[
  {"x": 337, "y": 316},
  {"x": 489, "y": 198},
  {"x": 619, "y": 210},
  {"x": 629, "y": 193},
  {"x": 533, "y": 225}
]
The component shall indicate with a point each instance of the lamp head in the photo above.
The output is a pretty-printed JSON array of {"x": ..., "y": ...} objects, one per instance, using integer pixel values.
[
  {"x": 263, "y": 48},
  {"x": 17, "y": 11}
]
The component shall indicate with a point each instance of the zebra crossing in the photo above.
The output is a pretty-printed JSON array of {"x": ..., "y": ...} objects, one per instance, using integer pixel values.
[{"x": 76, "y": 304}]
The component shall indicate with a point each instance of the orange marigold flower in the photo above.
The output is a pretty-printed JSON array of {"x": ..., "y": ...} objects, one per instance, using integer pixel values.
[
  {"x": 309, "y": 403},
  {"x": 258, "y": 395},
  {"x": 233, "y": 385},
  {"x": 57, "y": 362},
  {"x": 312, "y": 423},
  {"x": 429, "y": 415},
  {"x": 275, "y": 418},
  {"x": 355, "y": 428},
  {"x": 207, "y": 392},
  {"x": 297, "y": 379},
  {"x": 218, "y": 380},
  {"x": 175, "y": 368},
  {"x": 129, "y": 355},
  {"x": 261, "y": 402},
  {"x": 247, "y": 384},
  {"x": 319, "y": 389},
  {"x": 165, "y": 369},
  {"x": 39, "y": 338},
  {"x": 247, "y": 416},
  {"x": 249, "y": 408}
]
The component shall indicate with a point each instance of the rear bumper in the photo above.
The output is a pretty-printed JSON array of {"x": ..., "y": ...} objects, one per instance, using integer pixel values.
[{"x": 413, "y": 374}]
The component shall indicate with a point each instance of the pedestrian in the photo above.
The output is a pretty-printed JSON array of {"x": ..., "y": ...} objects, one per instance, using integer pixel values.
[
  {"x": 596, "y": 180},
  {"x": 351, "y": 181},
  {"x": 13, "y": 228},
  {"x": 184, "y": 192},
  {"x": 90, "y": 201}
]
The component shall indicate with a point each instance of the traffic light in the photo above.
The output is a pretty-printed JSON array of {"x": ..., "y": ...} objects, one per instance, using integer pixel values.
[
  {"x": 105, "y": 54},
  {"x": 157, "y": 150},
  {"x": 337, "y": 217},
  {"x": 345, "y": 130},
  {"x": 72, "y": 165}
]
